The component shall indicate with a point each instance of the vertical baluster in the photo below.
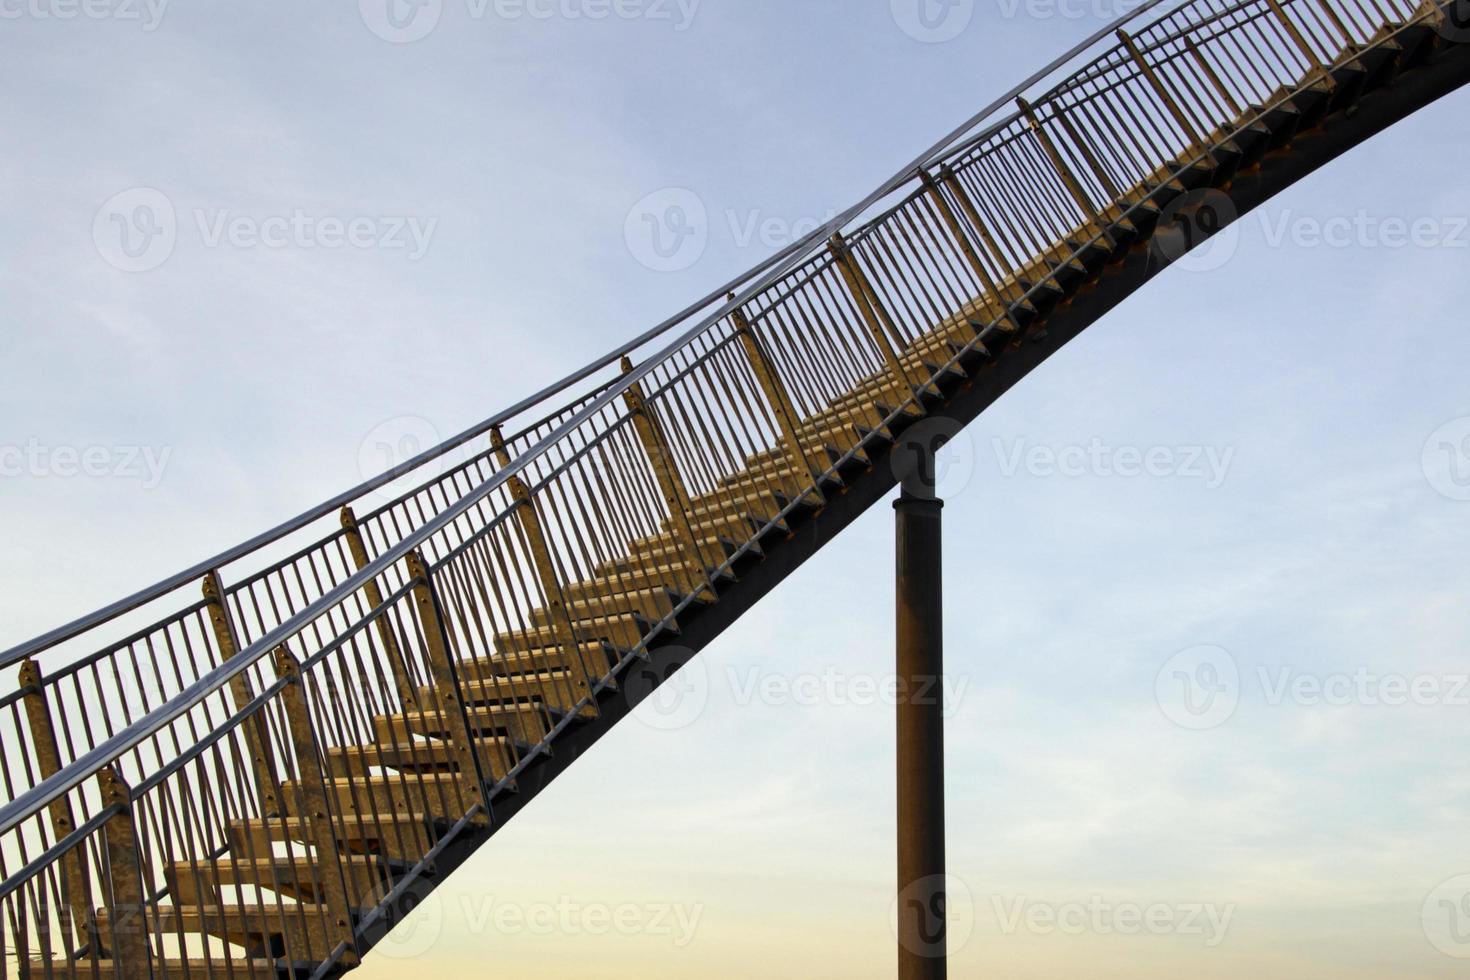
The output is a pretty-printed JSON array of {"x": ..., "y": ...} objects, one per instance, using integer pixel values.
[
  {"x": 314, "y": 797},
  {"x": 76, "y": 891},
  {"x": 257, "y": 741},
  {"x": 374, "y": 595},
  {"x": 528, "y": 517},
  {"x": 471, "y": 784},
  {"x": 787, "y": 419},
  {"x": 125, "y": 898}
]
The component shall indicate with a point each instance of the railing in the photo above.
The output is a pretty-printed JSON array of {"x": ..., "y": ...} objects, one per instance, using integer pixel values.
[{"x": 163, "y": 750}]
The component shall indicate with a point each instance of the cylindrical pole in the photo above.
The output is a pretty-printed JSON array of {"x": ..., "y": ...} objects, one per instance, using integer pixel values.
[{"x": 921, "y": 898}]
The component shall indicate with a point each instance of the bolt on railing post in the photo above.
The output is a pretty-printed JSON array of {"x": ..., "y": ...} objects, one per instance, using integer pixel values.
[
  {"x": 1059, "y": 163},
  {"x": 1300, "y": 40},
  {"x": 787, "y": 418},
  {"x": 125, "y": 897},
  {"x": 314, "y": 796},
  {"x": 76, "y": 892},
  {"x": 256, "y": 739},
  {"x": 1161, "y": 90},
  {"x": 880, "y": 325},
  {"x": 445, "y": 681},
  {"x": 665, "y": 472},
  {"x": 528, "y": 516},
  {"x": 374, "y": 594}
]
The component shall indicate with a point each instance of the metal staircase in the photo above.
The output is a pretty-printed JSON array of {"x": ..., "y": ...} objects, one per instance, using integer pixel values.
[{"x": 249, "y": 769}]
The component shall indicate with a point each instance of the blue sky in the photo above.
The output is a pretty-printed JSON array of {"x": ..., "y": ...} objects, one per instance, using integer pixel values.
[{"x": 1303, "y": 400}]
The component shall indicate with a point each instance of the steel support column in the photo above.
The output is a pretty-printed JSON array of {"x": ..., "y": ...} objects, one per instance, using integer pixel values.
[{"x": 921, "y": 904}]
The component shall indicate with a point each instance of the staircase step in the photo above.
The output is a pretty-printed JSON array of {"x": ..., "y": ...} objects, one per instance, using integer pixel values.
[
  {"x": 527, "y": 723},
  {"x": 620, "y": 631},
  {"x": 713, "y": 548},
  {"x": 242, "y": 968},
  {"x": 420, "y": 756},
  {"x": 548, "y": 688},
  {"x": 653, "y": 604},
  {"x": 598, "y": 657},
  {"x": 295, "y": 876},
  {"x": 435, "y": 794},
  {"x": 296, "y": 933},
  {"x": 394, "y": 836}
]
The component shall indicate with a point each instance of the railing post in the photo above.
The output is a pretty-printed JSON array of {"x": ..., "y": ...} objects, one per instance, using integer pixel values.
[
  {"x": 528, "y": 516},
  {"x": 787, "y": 418},
  {"x": 957, "y": 232},
  {"x": 1214, "y": 77},
  {"x": 374, "y": 594},
  {"x": 665, "y": 472},
  {"x": 1160, "y": 90},
  {"x": 256, "y": 739},
  {"x": 446, "y": 688},
  {"x": 951, "y": 181},
  {"x": 76, "y": 892},
  {"x": 880, "y": 325},
  {"x": 1300, "y": 40},
  {"x": 1059, "y": 163},
  {"x": 126, "y": 899},
  {"x": 314, "y": 797}
]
